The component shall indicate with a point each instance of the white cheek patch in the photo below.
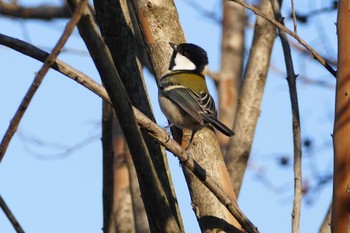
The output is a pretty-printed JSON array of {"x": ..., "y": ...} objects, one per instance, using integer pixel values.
[{"x": 183, "y": 63}]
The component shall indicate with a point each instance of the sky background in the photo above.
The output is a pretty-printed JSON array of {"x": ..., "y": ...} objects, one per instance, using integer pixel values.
[{"x": 52, "y": 184}]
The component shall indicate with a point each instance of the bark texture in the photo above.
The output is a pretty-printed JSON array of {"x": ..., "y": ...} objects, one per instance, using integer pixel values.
[
  {"x": 250, "y": 97},
  {"x": 159, "y": 25},
  {"x": 341, "y": 139}
]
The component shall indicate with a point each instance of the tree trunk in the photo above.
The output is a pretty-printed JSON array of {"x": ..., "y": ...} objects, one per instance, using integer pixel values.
[
  {"x": 232, "y": 58},
  {"x": 341, "y": 136},
  {"x": 159, "y": 25},
  {"x": 117, "y": 30}
]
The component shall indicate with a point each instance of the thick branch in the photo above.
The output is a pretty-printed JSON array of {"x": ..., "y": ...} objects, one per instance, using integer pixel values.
[
  {"x": 341, "y": 134},
  {"x": 115, "y": 24},
  {"x": 160, "y": 25},
  {"x": 251, "y": 92},
  {"x": 232, "y": 57},
  {"x": 160, "y": 216}
]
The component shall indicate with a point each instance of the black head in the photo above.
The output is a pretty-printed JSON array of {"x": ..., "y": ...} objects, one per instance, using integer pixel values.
[{"x": 198, "y": 59}]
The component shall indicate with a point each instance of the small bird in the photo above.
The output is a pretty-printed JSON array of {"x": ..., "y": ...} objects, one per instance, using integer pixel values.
[{"x": 183, "y": 94}]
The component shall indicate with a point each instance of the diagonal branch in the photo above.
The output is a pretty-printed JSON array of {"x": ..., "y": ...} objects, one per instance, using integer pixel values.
[
  {"x": 291, "y": 78},
  {"x": 151, "y": 127},
  {"x": 292, "y": 34},
  {"x": 10, "y": 216},
  {"x": 39, "y": 78}
]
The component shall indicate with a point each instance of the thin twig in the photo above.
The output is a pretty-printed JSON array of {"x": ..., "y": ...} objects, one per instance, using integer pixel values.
[
  {"x": 151, "y": 127},
  {"x": 294, "y": 17},
  {"x": 292, "y": 34},
  {"x": 39, "y": 78},
  {"x": 10, "y": 216},
  {"x": 291, "y": 78}
]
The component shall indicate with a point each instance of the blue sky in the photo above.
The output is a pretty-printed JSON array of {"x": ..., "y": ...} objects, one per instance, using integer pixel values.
[{"x": 50, "y": 190}]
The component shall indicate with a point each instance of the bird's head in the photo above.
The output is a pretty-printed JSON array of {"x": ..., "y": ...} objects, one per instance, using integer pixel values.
[{"x": 188, "y": 56}]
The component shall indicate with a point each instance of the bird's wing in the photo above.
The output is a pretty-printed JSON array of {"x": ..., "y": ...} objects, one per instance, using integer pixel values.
[{"x": 196, "y": 105}]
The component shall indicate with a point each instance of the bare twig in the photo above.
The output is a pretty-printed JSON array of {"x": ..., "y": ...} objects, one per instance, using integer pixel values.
[
  {"x": 39, "y": 77},
  {"x": 292, "y": 34},
  {"x": 291, "y": 78},
  {"x": 151, "y": 127},
  {"x": 10, "y": 216},
  {"x": 294, "y": 17},
  {"x": 305, "y": 52}
]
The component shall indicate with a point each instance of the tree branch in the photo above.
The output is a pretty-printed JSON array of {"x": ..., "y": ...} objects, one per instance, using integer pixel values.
[
  {"x": 291, "y": 78},
  {"x": 160, "y": 25},
  {"x": 39, "y": 77},
  {"x": 10, "y": 216},
  {"x": 151, "y": 127},
  {"x": 232, "y": 58},
  {"x": 292, "y": 34},
  {"x": 37, "y": 12},
  {"x": 113, "y": 18},
  {"x": 341, "y": 132},
  {"x": 251, "y": 92},
  {"x": 294, "y": 17},
  {"x": 160, "y": 216}
]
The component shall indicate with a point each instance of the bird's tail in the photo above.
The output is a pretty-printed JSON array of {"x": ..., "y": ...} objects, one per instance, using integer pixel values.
[{"x": 218, "y": 125}]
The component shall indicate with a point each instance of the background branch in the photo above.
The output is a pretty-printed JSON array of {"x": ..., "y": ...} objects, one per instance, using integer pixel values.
[
  {"x": 292, "y": 34},
  {"x": 250, "y": 97},
  {"x": 43, "y": 12}
]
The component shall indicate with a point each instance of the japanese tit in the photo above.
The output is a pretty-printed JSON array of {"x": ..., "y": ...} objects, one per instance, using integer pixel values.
[{"x": 183, "y": 94}]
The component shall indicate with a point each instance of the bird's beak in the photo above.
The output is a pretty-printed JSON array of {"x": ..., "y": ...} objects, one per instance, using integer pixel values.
[{"x": 173, "y": 45}]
